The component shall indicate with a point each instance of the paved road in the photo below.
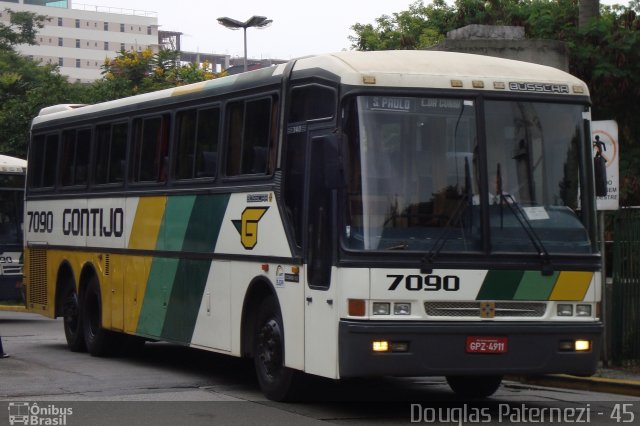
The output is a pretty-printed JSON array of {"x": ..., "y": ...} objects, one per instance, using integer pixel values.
[{"x": 168, "y": 384}]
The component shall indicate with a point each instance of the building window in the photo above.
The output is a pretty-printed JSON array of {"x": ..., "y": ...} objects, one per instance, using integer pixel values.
[
  {"x": 106, "y": 45},
  {"x": 77, "y": 43},
  {"x": 148, "y": 30},
  {"x": 77, "y": 63},
  {"x": 122, "y": 47},
  {"x": 121, "y": 28},
  {"x": 106, "y": 26},
  {"x": 60, "y": 62},
  {"x": 60, "y": 41},
  {"x": 77, "y": 23},
  {"x": 59, "y": 22}
]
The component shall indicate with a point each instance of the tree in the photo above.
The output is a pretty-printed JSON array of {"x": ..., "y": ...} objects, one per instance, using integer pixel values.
[
  {"x": 22, "y": 29},
  {"x": 25, "y": 86},
  {"x": 132, "y": 73},
  {"x": 604, "y": 52}
]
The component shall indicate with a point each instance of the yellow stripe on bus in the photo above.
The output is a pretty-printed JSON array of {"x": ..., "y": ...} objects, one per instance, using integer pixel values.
[
  {"x": 146, "y": 224},
  {"x": 137, "y": 270},
  {"x": 571, "y": 285}
]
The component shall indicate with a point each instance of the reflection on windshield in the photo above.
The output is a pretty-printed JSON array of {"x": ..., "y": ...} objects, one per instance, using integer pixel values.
[
  {"x": 533, "y": 158},
  {"x": 415, "y": 176},
  {"x": 412, "y": 176}
]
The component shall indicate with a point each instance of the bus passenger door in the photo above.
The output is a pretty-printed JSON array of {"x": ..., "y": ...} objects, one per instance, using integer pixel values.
[{"x": 321, "y": 317}]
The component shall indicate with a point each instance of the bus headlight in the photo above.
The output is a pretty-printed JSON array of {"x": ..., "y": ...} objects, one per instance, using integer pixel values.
[
  {"x": 583, "y": 310},
  {"x": 565, "y": 310},
  {"x": 402, "y": 309},
  {"x": 381, "y": 308}
]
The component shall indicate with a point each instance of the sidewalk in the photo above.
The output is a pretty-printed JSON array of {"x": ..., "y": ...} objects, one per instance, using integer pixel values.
[{"x": 607, "y": 380}]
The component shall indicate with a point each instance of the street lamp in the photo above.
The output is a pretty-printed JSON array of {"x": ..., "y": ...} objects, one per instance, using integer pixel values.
[{"x": 255, "y": 21}]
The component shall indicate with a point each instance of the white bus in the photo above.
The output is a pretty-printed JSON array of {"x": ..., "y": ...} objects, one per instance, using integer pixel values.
[
  {"x": 395, "y": 213},
  {"x": 12, "y": 174}
]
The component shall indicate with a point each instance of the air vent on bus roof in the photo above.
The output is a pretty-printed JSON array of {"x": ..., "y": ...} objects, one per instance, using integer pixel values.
[{"x": 59, "y": 108}]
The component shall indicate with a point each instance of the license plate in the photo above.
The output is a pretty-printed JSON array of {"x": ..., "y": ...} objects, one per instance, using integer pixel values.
[{"x": 486, "y": 345}]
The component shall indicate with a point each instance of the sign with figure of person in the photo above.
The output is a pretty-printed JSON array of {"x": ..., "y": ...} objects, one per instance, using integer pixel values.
[{"x": 606, "y": 152}]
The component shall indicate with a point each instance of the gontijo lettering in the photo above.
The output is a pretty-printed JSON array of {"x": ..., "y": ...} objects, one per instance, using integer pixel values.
[{"x": 94, "y": 222}]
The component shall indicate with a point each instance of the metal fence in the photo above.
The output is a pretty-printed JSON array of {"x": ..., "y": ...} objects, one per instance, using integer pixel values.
[{"x": 625, "y": 312}]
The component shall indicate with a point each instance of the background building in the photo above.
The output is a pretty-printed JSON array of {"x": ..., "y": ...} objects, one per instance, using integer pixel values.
[{"x": 79, "y": 39}]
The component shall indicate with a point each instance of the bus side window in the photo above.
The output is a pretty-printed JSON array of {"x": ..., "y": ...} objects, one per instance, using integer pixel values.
[
  {"x": 111, "y": 151},
  {"x": 197, "y": 143},
  {"x": 150, "y": 149},
  {"x": 44, "y": 154},
  {"x": 250, "y": 136},
  {"x": 74, "y": 164}
]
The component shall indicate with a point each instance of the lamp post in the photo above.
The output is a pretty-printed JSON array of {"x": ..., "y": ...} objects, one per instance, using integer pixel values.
[{"x": 255, "y": 21}]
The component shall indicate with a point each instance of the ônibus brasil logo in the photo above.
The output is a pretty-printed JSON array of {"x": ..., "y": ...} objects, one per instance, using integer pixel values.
[{"x": 31, "y": 414}]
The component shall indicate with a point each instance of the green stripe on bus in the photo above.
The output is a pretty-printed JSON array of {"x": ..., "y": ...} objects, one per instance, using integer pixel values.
[
  {"x": 156, "y": 296},
  {"x": 185, "y": 301},
  {"x": 175, "y": 222},
  {"x": 500, "y": 285},
  {"x": 535, "y": 286},
  {"x": 205, "y": 222}
]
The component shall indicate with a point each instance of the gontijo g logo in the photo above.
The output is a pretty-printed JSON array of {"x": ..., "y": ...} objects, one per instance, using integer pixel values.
[
  {"x": 247, "y": 226},
  {"x": 27, "y": 413}
]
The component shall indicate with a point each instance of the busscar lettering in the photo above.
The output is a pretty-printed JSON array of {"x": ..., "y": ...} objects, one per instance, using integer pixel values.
[
  {"x": 96, "y": 222},
  {"x": 538, "y": 87}
]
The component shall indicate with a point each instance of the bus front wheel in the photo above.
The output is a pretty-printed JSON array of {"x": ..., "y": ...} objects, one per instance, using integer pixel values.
[
  {"x": 474, "y": 386},
  {"x": 277, "y": 382}
]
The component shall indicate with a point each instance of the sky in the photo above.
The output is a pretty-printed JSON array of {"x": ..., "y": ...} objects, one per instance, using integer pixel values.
[{"x": 299, "y": 28}]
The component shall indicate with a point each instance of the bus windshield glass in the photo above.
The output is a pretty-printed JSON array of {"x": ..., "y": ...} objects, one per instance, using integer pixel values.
[
  {"x": 416, "y": 179},
  {"x": 11, "y": 199}
]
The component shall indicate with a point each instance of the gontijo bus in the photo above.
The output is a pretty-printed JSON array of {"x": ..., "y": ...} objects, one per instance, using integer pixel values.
[
  {"x": 343, "y": 215},
  {"x": 12, "y": 175}
]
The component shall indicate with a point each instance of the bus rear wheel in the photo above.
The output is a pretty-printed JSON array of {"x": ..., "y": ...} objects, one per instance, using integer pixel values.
[
  {"x": 277, "y": 382},
  {"x": 100, "y": 342},
  {"x": 73, "y": 330},
  {"x": 474, "y": 386}
]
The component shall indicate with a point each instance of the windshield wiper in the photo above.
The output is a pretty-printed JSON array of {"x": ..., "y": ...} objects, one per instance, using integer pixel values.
[
  {"x": 426, "y": 263},
  {"x": 525, "y": 223}
]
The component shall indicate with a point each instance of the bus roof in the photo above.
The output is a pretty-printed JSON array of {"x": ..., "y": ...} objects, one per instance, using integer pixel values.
[
  {"x": 12, "y": 164},
  {"x": 392, "y": 68}
]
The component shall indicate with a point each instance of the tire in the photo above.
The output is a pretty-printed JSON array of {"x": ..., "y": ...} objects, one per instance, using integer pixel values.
[
  {"x": 474, "y": 386},
  {"x": 72, "y": 314},
  {"x": 100, "y": 342},
  {"x": 277, "y": 382}
]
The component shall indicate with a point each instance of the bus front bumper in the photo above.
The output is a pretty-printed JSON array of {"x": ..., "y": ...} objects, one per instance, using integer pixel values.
[{"x": 441, "y": 348}]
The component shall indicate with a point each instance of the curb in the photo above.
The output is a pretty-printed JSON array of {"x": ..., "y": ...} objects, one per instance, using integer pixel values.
[{"x": 592, "y": 384}]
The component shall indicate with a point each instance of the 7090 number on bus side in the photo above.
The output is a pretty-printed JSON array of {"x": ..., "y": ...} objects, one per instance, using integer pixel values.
[
  {"x": 425, "y": 283},
  {"x": 41, "y": 222}
]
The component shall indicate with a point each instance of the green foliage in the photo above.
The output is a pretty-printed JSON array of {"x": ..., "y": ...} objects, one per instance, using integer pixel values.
[
  {"x": 22, "y": 29},
  {"x": 27, "y": 86},
  {"x": 605, "y": 53},
  {"x": 132, "y": 73}
]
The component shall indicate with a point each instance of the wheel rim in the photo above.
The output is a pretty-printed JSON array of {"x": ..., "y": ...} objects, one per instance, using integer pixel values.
[{"x": 270, "y": 348}]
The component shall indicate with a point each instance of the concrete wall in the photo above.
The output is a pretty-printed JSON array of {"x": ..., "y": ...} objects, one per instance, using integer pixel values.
[{"x": 506, "y": 42}]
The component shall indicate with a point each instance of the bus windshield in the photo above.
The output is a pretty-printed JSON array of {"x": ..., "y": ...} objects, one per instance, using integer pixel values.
[
  {"x": 416, "y": 178},
  {"x": 11, "y": 208}
]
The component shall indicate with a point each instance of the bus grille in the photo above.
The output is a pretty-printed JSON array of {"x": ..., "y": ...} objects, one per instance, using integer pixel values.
[
  {"x": 472, "y": 309},
  {"x": 38, "y": 277}
]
